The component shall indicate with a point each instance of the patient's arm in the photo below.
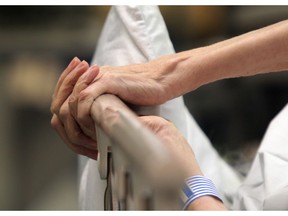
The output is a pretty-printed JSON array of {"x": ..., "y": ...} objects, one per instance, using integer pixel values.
[
  {"x": 206, "y": 203},
  {"x": 181, "y": 150}
]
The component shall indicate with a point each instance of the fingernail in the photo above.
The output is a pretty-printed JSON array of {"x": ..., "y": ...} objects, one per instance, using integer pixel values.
[
  {"x": 91, "y": 73},
  {"x": 74, "y": 61},
  {"x": 81, "y": 65},
  {"x": 93, "y": 68}
]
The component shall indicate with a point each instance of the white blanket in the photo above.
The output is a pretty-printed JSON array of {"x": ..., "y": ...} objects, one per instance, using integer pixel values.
[
  {"x": 136, "y": 34},
  {"x": 266, "y": 186}
]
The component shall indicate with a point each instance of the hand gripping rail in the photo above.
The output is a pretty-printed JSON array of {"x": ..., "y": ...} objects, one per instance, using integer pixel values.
[{"x": 140, "y": 172}]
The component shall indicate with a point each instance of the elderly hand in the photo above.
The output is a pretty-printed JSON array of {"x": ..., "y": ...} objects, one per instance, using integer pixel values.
[
  {"x": 181, "y": 150},
  {"x": 177, "y": 145},
  {"x": 62, "y": 120},
  {"x": 142, "y": 84},
  {"x": 151, "y": 83}
]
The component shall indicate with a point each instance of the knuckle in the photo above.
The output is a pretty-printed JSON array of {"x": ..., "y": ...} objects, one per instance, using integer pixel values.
[
  {"x": 69, "y": 83},
  {"x": 54, "y": 107},
  {"x": 72, "y": 100},
  {"x": 54, "y": 122},
  {"x": 80, "y": 86},
  {"x": 63, "y": 112},
  {"x": 85, "y": 95}
]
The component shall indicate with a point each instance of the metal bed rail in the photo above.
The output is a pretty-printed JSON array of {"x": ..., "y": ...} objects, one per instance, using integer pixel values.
[{"x": 140, "y": 172}]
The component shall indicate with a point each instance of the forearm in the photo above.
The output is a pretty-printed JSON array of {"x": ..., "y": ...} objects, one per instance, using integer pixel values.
[
  {"x": 261, "y": 51},
  {"x": 207, "y": 203}
]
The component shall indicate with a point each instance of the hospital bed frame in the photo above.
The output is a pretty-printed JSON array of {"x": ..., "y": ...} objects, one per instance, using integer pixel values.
[{"x": 140, "y": 173}]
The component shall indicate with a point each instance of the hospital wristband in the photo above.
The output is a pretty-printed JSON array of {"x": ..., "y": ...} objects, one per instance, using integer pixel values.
[{"x": 195, "y": 187}]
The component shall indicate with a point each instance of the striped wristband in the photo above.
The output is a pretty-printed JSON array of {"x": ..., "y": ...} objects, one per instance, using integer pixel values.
[{"x": 195, "y": 187}]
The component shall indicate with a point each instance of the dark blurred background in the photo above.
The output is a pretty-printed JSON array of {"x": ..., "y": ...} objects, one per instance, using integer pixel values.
[{"x": 37, "y": 171}]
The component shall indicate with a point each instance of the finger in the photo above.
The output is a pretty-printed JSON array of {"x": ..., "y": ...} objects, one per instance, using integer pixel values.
[
  {"x": 153, "y": 122},
  {"x": 57, "y": 125},
  {"x": 75, "y": 61},
  {"x": 67, "y": 86},
  {"x": 73, "y": 131},
  {"x": 81, "y": 84},
  {"x": 86, "y": 99}
]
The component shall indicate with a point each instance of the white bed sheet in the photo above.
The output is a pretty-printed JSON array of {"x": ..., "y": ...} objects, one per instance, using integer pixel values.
[{"x": 266, "y": 185}]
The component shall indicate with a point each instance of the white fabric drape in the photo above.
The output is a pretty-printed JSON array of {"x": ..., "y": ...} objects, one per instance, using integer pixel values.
[{"x": 137, "y": 34}]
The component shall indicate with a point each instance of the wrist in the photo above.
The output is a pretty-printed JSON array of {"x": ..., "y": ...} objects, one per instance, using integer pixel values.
[
  {"x": 174, "y": 73},
  {"x": 197, "y": 187},
  {"x": 205, "y": 203},
  {"x": 190, "y": 70}
]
